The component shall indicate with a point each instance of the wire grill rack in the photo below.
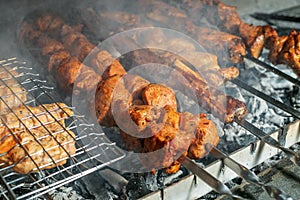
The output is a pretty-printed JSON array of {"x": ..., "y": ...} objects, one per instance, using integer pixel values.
[{"x": 35, "y": 92}]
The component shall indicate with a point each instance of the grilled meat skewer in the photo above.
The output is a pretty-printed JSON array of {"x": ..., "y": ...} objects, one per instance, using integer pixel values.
[
  {"x": 225, "y": 115},
  {"x": 283, "y": 49}
]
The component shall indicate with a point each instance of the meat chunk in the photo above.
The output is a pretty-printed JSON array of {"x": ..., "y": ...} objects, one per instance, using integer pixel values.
[
  {"x": 286, "y": 50},
  {"x": 159, "y": 95},
  {"x": 56, "y": 59},
  {"x": 72, "y": 71},
  {"x": 135, "y": 85},
  {"x": 205, "y": 138},
  {"x": 111, "y": 93},
  {"x": 49, "y": 45}
]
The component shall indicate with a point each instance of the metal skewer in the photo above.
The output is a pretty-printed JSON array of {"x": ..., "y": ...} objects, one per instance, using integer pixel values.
[
  {"x": 294, "y": 157},
  {"x": 214, "y": 183},
  {"x": 248, "y": 175},
  {"x": 274, "y": 70}
]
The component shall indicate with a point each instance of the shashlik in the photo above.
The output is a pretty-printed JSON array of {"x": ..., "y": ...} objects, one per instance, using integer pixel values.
[
  {"x": 115, "y": 94},
  {"x": 283, "y": 49}
]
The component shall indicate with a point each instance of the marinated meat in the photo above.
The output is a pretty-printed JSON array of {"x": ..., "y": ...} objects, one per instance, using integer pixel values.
[
  {"x": 56, "y": 59},
  {"x": 49, "y": 45},
  {"x": 205, "y": 138},
  {"x": 35, "y": 139},
  {"x": 286, "y": 50},
  {"x": 31, "y": 117},
  {"x": 135, "y": 85},
  {"x": 109, "y": 90},
  {"x": 283, "y": 49},
  {"x": 229, "y": 47},
  {"x": 40, "y": 149},
  {"x": 11, "y": 92},
  {"x": 159, "y": 95}
]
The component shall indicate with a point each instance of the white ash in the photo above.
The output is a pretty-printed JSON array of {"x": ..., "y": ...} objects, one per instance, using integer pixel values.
[
  {"x": 65, "y": 193},
  {"x": 151, "y": 182},
  {"x": 173, "y": 177}
]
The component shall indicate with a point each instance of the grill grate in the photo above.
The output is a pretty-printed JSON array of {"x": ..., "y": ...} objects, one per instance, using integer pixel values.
[{"x": 31, "y": 185}]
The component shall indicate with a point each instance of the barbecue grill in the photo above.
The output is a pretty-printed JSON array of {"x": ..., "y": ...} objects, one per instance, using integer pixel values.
[{"x": 255, "y": 140}]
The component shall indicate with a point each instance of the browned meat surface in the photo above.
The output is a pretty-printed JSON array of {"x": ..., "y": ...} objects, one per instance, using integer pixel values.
[
  {"x": 103, "y": 98},
  {"x": 101, "y": 61},
  {"x": 49, "y": 45},
  {"x": 172, "y": 133},
  {"x": 206, "y": 136},
  {"x": 56, "y": 59},
  {"x": 135, "y": 85},
  {"x": 283, "y": 50},
  {"x": 227, "y": 19},
  {"x": 228, "y": 48},
  {"x": 209, "y": 98},
  {"x": 42, "y": 137},
  {"x": 115, "y": 68},
  {"x": 286, "y": 50},
  {"x": 159, "y": 95},
  {"x": 50, "y": 150},
  {"x": 67, "y": 74},
  {"x": 11, "y": 92}
]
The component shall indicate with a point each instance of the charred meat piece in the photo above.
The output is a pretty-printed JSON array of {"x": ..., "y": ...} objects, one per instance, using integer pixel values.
[
  {"x": 135, "y": 85},
  {"x": 170, "y": 133},
  {"x": 208, "y": 97},
  {"x": 205, "y": 138},
  {"x": 283, "y": 50},
  {"x": 56, "y": 59},
  {"x": 225, "y": 45}
]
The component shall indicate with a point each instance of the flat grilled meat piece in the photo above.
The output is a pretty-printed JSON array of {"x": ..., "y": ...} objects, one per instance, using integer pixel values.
[
  {"x": 11, "y": 92},
  {"x": 32, "y": 117},
  {"x": 35, "y": 139},
  {"x": 39, "y": 149}
]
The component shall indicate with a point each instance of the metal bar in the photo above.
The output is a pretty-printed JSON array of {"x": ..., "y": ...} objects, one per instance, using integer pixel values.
[
  {"x": 274, "y": 70},
  {"x": 267, "y": 98},
  {"x": 268, "y": 139},
  {"x": 264, "y": 16},
  {"x": 11, "y": 194},
  {"x": 248, "y": 175},
  {"x": 214, "y": 183}
]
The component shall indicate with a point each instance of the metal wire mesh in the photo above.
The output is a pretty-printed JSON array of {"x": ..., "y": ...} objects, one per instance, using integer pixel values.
[{"x": 23, "y": 89}]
